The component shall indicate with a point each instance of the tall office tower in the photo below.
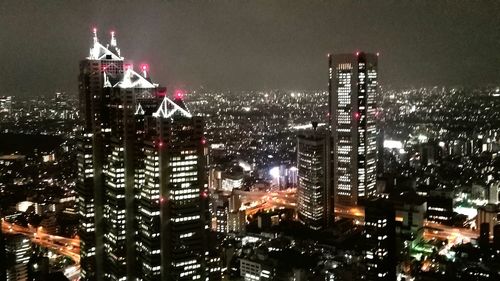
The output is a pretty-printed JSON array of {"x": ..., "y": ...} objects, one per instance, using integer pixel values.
[
  {"x": 380, "y": 240},
  {"x": 174, "y": 214},
  {"x": 18, "y": 251},
  {"x": 352, "y": 108},
  {"x": 134, "y": 94},
  {"x": 314, "y": 172},
  {"x": 94, "y": 99},
  {"x": 113, "y": 100},
  {"x": 85, "y": 206}
]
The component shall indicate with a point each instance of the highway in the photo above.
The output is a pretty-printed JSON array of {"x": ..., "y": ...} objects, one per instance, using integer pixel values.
[
  {"x": 255, "y": 201},
  {"x": 69, "y": 247}
]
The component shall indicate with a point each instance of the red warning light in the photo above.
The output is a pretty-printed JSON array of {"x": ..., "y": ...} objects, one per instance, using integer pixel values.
[
  {"x": 160, "y": 144},
  {"x": 144, "y": 67},
  {"x": 204, "y": 194},
  {"x": 179, "y": 94},
  {"x": 357, "y": 53},
  {"x": 357, "y": 115},
  {"x": 203, "y": 141},
  {"x": 128, "y": 66}
]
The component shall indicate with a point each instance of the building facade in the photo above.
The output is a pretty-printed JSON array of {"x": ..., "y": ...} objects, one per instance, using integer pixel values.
[
  {"x": 314, "y": 192},
  {"x": 142, "y": 191},
  {"x": 380, "y": 240},
  {"x": 352, "y": 113}
]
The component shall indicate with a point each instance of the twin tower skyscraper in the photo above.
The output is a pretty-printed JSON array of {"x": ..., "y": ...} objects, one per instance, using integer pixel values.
[
  {"x": 142, "y": 188},
  {"x": 337, "y": 166}
]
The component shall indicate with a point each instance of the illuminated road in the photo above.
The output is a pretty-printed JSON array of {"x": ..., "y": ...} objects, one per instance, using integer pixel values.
[
  {"x": 256, "y": 201},
  {"x": 69, "y": 247},
  {"x": 253, "y": 202}
]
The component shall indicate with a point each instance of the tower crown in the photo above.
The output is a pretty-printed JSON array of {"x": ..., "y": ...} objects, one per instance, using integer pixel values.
[{"x": 100, "y": 52}]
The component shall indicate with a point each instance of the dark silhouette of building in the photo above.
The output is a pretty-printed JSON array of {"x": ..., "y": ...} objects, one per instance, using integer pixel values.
[
  {"x": 314, "y": 192},
  {"x": 380, "y": 240},
  {"x": 496, "y": 237}
]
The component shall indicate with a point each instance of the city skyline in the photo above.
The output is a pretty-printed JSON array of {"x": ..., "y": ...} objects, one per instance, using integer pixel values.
[
  {"x": 192, "y": 45},
  {"x": 164, "y": 167}
]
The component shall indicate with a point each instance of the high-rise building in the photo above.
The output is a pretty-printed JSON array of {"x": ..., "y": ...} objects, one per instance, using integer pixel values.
[
  {"x": 314, "y": 172},
  {"x": 17, "y": 251},
  {"x": 352, "y": 113},
  {"x": 142, "y": 192},
  {"x": 174, "y": 213},
  {"x": 380, "y": 240},
  {"x": 103, "y": 64}
]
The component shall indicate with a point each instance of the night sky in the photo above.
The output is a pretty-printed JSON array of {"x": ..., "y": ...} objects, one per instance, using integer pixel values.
[{"x": 251, "y": 45}]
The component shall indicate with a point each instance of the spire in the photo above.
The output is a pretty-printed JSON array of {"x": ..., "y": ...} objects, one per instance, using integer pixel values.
[
  {"x": 113, "y": 39},
  {"x": 98, "y": 51},
  {"x": 144, "y": 71},
  {"x": 94, "y": 30},
  {"x": 107, "y": 84}
]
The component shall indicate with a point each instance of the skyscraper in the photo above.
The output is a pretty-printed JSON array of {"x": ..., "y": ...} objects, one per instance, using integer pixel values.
[
  {"x": 174, "y": 217},
  {"x": 134, "y": 94},
  {"x": 352, "y": 113},
  {"x": 103, "y": 64},
  {"x": 142, "y": 190},
  {"x": 314, "y": 173}
]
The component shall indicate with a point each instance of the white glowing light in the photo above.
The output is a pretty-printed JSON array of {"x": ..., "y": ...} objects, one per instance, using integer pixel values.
[
  {"x": 113, "y": 39},
  {"x": 393, "y": 144},
  {"x": 275, "y": 172},
  {"x": 99, "y": 52},
  {"x": 168, "y": 108},
  {"x": 132, "y": 79},
  {"x": 245, "y": 166},
  {"x": 107, "y": 84},
  {"x": 139, "y": 110},
  {"x": 422, "y": 138}
]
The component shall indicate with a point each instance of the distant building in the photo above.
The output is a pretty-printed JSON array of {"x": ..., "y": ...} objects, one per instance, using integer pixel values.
[
  {"x": 221, "y": 214},
  {"x": 493, "y": 189},
  {"x": 256, "y": 270},
  {"x": 410, "y": 216},
  {"x": 5, "y": 105},
  {"x": 352, "y": 112},
  {"x": 439, "y": 209},
  {"x": 236, "y": 221},
  {"x": 231, "y": 180},
  {"x": 488, "y": 214},
  {"x": 380, "y": 240},
  {"x": 314, "y": 192},
  {"x": 18, "y": 251},
  {"x": 496, "y": 237}
]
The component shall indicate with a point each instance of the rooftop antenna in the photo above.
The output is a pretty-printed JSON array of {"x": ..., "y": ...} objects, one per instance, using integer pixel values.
[
  {"x": 113, "y": 39},
  {"x": 144, "y": 71},
  {"x": 94, "y": 30}
]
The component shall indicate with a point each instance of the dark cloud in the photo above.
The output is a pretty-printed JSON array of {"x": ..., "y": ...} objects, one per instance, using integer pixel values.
[{"x": 251, "y": 44}]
